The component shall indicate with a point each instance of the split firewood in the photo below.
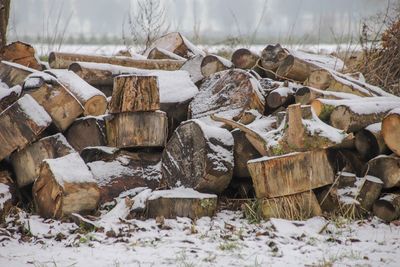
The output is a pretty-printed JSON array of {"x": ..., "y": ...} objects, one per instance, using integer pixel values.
[
  {"x": 160, "y": 53},
  {"x": 213, "y": 63},
  {"x": 59, "y": 60},
  {"x": 198, "y": 156},
  {"x": 291, "y": 173},
  {"x": 193, "y": 67},
  {"x": 26, "y": 162},
  {"x": 58, "y": 102},
  {"x": 231, "y": 90},
  {"x": 391, "y": 130},
  {"x": 13, "y": 74},
  {"x": 243, "y": 58},
  {"x": 137, "y": 129},
  {"x": 87, "y": 131},
  {"x": 386, "y": 168},
  {"x": 305, "y": 95},
  {"x": 20, "y": 53},
  {"x": 8, "y": 194},
  {"x": 181, "y": 202},
  {"x": 8, "y": 95},
  {"x": 369, "y": 141},
  {"x": 176, "y": 43},
  {"x": 65, "y": 186},
  {"x": 387, "y": 207},
  {"x": 21, "y": 124},
  {"x": 133, "y": 93}
]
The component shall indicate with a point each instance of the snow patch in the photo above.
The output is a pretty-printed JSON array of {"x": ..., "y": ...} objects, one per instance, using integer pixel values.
[{"x": 34, "y": 111}]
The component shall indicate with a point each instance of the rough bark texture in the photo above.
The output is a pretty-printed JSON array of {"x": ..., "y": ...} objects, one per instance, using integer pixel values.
[
  {"x": 21, "y": 53},
  {"x": 387, "y": 207},
  {"x": 4, "y": 15},
  {"x": 195, "y": 159},
  {"x": 13, "y": 74},
  {"x": 387, "y": 168},
  {"x": 212, "y": 64},
  {"x": 391, "y": 131}
]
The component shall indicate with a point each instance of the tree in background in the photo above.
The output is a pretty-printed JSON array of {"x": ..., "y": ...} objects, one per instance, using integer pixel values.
[{"x": 4, "y": 15}]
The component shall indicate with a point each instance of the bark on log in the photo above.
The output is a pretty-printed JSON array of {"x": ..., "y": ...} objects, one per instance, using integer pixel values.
[
  {"x": 64, "y": 186},
  {"x": 243, "y": 151},
  {"x": 59, "y": 60},
  {"x": 135, "y": 93},
  {"x": 295, "y": 69},
  {"x": 272, "y": 56},
  {"x": 212, "y": 64},
  {"x": 8, "y": 194},
  {"x": 160, "y": 53},
  {"x": 13, "y": 74},
  {"x": 4, "y": 16},
  {"x": 243, "y": 58},
  {"x": 369, "y": 141},
  {"x": 290, "y": 174},
  {"x": 96, "y": 153},
  {"x": 387, "y": 208},
  {"x": 139, "y": 129},
  {"x": 391, "y": 130},
  {"x": 86, "y": 132},
  {"x": 387, "y": 168},
  {"x": 369, "y": 192},
  {"x": 198, "y": 156},
  {"x": 282, "y": 96},
  {"x": 352, "y": 162},
  {"x": 8, "y": 96},
  {"x": 21, "y": 124},
  {"x": 26, "y": 162},
  {"x": 180, "y": 202},
  {"x": 21, "y": 53},
  {"x": 305, "y": 95}
]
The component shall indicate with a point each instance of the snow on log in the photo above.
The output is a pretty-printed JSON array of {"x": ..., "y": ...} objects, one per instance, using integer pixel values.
[
  {"x": 282, "y": 96},
  {"x": 291, "y": 173},
  {"x": 181, "y": 202},
  {"x": 198, "y": 156},
  {"x": 387, "y": 168},
  {"x": 13, "y": 74},
  {"x": 305, "y": 95},
  {"x": 391, "y": 130},
  {"x": 93, "y": 100},
  {"x": 369, "y": 141},
  {"x": 134, "y": 93},
  {"x": 272, "y": 56},
  {"x": 243, "y": 58},
  {"x": 8, "y": 95},
  {"x": 65, "y": 186},
  {"x": 387, "y": 207},
  {"x": 21, "y": 53},
  {"x": 8, "y": 194},
  {"x": 137, "y": 129},
  {"x": 21, "y": 124},
  {"x": 160, "y": 53},
  {"x": 26, "y": 162},
  {"x": 87, "y": 131},
  {"x": 213, "y": 63},
  {"x": 59, "y": 60},
  {"x": 193, "y": 67}
]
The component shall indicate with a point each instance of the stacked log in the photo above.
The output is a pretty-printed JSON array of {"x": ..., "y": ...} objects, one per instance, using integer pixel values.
[
  {"x": 21, "y": 53},
  {"x": 212, "y": 64},
  {"x": 8, "y": 196}
]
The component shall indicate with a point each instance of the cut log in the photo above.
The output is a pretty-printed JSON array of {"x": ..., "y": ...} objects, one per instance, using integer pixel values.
[
  {"x": 96, "y": 74},
  {"x": 305, "y": 95},
  {"x": 21, "y": 124},
  {"x": 160, "y": 53},
  {"x": 139, "y": 129},
  {"x": 272, "y": 56},
  {"x": 181, "y": 202},
  {"x": 387, "y": 207},
  {"x": 93, "y": 100},
  {"x": 199, "y": 157},
  {"x": 13, "y": 74},
  {"x": 4, "y": 18},
  {"x": 59, "y": 60},
  {"x": 294, "y": 207},
  {"x": 369, "y": 192},
  {"x": 369, "y": 141},
  {"x": 8, "y": 95},
  {"x": 87, "y": 131},
  {"x": 391, "y": 130},
  {"x": 352, "y": 162},
  {"x": 21, "y": 53},
  {"x": 282, "y": 96},
  {"x": 231, "y": 90},
  {"x": 243, "y": 58},
  {"x": 26, "y": 162},
  {"x": 243, "y": 151},
  {"x": 193, "y": 67},
  {"x": 295, "y": 69},
  {"x": 8, "y": 194},
  {"x": 64, "y": 186},
  {"x": 291, "y": 173},
  {"x": 134, "y": 93},
  {"x": 96, "y": 153},
  {"x": 176, "y": 43},
  {"x": 213, "y": 63},
  {"x": 387, "y": 168},
  {"x": 58, "y": 102}
]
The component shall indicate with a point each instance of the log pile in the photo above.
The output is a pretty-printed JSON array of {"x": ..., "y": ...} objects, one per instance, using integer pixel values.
[{"x": 290, "y": 126}]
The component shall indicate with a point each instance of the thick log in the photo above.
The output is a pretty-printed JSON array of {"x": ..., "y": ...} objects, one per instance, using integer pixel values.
[
  {"x": 295, "y": 69},
  {"x": 160, "y": 53},
  {"x": 369, "y": 192},
  {"x": 387, "y": 168},
  {"x": 134, "y": 93},
  {"x": 139, "y": 129},
  {"x": 243, "y": 58},
  {"x": 291, "y": 173},
  {"x": 176, "y": 43},
  {"x": 21, "y": 53},
  {"x": 198, "y": 156},
  {"x": 8, "y": 194},
  {"x": 213, "y": 63},
  {"x": 272, "y": 56},
  {"x": 243, "y": 151},
  {"x": 58, "y": 102},
  {"x": 59, "y": 60},
  {"x": 387, "y": 207},
  {"x": 181, "y": 202},
  {"x": 87, "y": 131},
  {"x": 26, "y": 162},
  {"x": 95, "y": 74},
  {"x": 21, "y": 124},
  {"x": 4, "y": 17},
  {"x": 8, "y": 95},
  {"x": 231, "y": 90},
  {"x": 305, "y": 95},
  {"x": 193, "y": 67},
  {"x": 64, "y": 186},
  {"x": 369, "y": 141},
  {"x": 391, "y": 130},
  {"x": 13, "y": 74},
  {"x": 282, "y": 96}
]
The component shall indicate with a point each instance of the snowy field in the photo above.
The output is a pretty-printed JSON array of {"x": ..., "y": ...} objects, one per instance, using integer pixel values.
[{"x": 224, "y": 240}]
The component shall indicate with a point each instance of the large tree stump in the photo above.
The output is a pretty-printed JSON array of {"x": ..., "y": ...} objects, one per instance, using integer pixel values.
[
  {"x": 21, "y": 53},
  {"x": 387, "y": 207},
  {"x": 198, "y": 156},
  {"x": 138, "y": 129},
  {"x": 58, "y": 102},
  {"x": 134, "y": 93},
  {"x": 26, "y": 162},
  {"x": 8, "y": 95},
  {"x": 8, "y": 194},
  {"x": 181, "y": 202},
  {"x": 65, "y": 186},
  {"x": 160, "y": 53},
  {"x": 391, "y": 130},
  {"x": 13, "y": 74},
  {"x": 369, "y": 141},
  {"x": 291, "y": 173},
  {"x": 387, "y": 168},
  {"x": 212, "y": 64},
  {"x": 21, "y": 124}
]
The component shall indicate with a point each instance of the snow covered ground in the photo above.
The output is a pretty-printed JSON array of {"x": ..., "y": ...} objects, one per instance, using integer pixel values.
[{"x": 224, "y": 240}]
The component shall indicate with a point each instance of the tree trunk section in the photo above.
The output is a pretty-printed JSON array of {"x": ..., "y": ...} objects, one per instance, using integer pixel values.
[
  {"x": 160, "y": 53},
  {"x": 369, "y": 141},
  {"x": 8, "y": 96},
  {"x": 243, "y": 58},
  {"x": 282, "y": 96},
  {"x": 305, "y": 95},
  {"x": 4, "y": 16},
  {"x": 272, "y": 56},
  {"x": 387, "y": 208},
  {"x": 21, "y": 53},
  {"x": 212, "y": 64},
  {"x": 193, "y": 67},
  {"x": 295, "y": 69},
  {"x": 243, "y": 151},
  {"x": 387, "y": 168},
  {"x": 13, "y": 74},
  {"x": 391, "y": 130}
]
